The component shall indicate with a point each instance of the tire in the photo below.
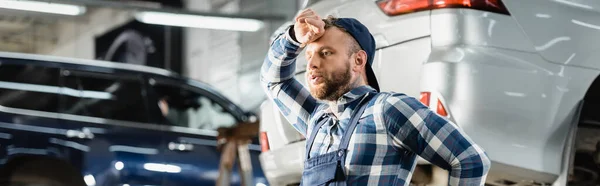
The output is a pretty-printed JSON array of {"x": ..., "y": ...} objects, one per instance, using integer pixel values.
[
  {"x": 586, "y": 167},
  {"x": 45, "y": 172}
]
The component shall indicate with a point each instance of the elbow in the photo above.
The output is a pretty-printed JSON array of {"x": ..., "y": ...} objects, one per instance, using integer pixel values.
[
  {"x": 268, "y": 86},
  {"x": 474, "y": 168},
  {"x": 486, "y": 163},
  {"x": 479, "y": 163},
  {"x": 264, "y": 78},
  {"x": 263, "y": 82}
]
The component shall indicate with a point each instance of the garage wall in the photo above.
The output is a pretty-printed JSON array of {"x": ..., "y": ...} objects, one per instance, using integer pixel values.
[
  {"x": 255, "y": 45},
  {"x": 76, "y": 36},
  {"x": 231, "y": 61},
  {"x": 213, "y": 56}
]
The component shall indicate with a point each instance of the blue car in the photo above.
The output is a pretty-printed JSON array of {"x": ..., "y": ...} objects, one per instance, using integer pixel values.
[{"x": 84, "y": 122}]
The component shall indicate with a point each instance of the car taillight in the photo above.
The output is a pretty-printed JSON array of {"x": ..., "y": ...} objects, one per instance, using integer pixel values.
[
  {"x": 440, "y": 109},
  {"x": 439, "y": 106},
  {"x": 397, "y": 7},
  {"x": 264, "y": 142},
  {"x": 425, "y": 98}
]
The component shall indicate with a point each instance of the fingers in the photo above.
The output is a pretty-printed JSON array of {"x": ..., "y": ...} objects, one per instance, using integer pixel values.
[
  {"x": 305, "y": 14},
  {"x": 305, "y": 11},
  {"x": 308, "y": 14},
  {"x": 316, "y": 25},
  {"x": 303, "y": 19},
  {"x": 309, "y": 26}
]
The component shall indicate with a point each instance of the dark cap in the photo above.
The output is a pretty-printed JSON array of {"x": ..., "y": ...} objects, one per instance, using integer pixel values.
[{"x": 366, "y": 41}]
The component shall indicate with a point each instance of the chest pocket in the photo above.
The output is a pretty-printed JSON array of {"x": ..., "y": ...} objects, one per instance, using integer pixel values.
[{"x": 323, "y": 170}]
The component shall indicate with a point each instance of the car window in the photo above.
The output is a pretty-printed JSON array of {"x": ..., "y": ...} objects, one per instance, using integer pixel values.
[
  {"x": 105, "y": 96},
  {"x": 184, "y": 107},
  {"x": 29, "y": 87}
]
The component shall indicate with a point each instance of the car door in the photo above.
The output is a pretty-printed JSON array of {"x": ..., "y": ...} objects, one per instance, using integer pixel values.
[
  {"x": 29, "y": 100},
  {"x": 105, "y": 110},
  {"x": 193, "y": 116}
]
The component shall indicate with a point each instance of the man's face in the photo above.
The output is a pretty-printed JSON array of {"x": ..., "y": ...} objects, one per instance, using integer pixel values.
[{"x": 329, "y": 65}]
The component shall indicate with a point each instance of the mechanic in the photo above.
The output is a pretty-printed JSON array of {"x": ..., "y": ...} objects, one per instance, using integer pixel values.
[{"x": 356, "y": 134}]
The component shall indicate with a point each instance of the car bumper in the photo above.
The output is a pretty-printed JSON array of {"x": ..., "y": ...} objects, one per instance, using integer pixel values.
[
  {"x": 514, "y": 104},
  {"x": 284, "y": 166}
]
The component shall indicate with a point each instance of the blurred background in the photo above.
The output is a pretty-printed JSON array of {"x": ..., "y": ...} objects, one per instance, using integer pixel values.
[
  {"x": 148, "y": 92},
  {"x": 109, "y": 30}
]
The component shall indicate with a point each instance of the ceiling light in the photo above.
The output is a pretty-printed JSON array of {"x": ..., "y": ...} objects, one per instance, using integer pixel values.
[
  {"x": 45, "y": 7},
  {"x": 198, "y": 21}
]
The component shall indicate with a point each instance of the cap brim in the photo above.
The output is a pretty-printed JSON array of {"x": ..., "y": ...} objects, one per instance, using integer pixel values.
[{"x": 372, "y": 80}]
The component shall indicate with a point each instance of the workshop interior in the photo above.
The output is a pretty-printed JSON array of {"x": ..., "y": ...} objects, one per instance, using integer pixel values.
[{"x": 170, "y": 92}]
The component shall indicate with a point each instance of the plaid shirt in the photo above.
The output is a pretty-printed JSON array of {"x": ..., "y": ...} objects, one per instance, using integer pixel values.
[{"x": 392, "y": 131}]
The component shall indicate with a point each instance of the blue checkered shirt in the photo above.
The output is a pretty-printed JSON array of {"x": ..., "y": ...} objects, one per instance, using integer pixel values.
[{"x": 392, "y": 131}]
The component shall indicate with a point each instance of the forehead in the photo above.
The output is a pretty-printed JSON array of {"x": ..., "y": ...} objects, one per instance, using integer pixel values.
[{"x": 333, "y": 38}]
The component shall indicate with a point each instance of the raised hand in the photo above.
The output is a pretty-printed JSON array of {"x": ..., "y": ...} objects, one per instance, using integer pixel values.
[{"x": 308, "y": 27}]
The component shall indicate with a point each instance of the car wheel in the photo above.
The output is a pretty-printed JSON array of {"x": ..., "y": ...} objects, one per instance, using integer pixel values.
[{"x": 586, "y": 165}]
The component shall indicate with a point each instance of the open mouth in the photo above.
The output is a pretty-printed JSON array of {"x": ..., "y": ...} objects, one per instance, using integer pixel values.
[{"x": 315, "y": 79}]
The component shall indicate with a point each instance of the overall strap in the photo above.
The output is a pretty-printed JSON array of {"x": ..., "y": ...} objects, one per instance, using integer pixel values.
[
  {"x": 353, "y": 122},
  {"x": 360, "y": 108},
  {"x": 313, "y": 134}
]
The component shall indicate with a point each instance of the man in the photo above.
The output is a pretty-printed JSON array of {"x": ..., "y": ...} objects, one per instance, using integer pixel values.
[{"x": 349, "y": 145}]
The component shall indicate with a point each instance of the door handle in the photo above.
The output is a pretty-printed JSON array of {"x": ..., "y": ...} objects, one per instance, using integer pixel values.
[
  {"x": 183, "y": 147},
  {"x": 84, "y": 133}
]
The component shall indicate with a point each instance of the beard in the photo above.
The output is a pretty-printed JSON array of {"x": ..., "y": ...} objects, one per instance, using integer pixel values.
[{"x": 333, "y": 86}]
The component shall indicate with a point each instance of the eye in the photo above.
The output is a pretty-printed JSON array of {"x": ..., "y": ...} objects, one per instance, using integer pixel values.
[{"x": 326, "y": 53}]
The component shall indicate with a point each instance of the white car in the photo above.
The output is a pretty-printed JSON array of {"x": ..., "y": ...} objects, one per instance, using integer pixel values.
[{"x": 518, "y": 76}]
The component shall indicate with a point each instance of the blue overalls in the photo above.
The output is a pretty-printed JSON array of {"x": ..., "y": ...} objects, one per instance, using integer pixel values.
[{"x": 328, "y": 169}]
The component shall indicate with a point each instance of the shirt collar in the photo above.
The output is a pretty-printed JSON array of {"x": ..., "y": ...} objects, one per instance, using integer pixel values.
[{"x": 338, "y": 107}]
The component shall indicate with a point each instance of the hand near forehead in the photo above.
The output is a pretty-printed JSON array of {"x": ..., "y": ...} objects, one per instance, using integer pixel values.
[{"x": 308, "y": 27}]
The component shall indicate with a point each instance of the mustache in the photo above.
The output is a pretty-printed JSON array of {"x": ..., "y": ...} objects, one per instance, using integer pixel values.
[{"x": 315, "y": 73}]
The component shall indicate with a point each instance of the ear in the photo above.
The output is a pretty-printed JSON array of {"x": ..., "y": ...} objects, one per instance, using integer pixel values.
[{"x": 360, "y": 60}]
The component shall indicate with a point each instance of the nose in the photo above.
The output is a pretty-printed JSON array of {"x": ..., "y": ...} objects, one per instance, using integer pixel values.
[{"x": 313, "y": 63}]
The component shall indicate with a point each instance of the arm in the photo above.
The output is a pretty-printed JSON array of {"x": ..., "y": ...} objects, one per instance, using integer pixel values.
[
  {"x": 434, "y": 138},
  {"x": 277, "y": 78}
]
